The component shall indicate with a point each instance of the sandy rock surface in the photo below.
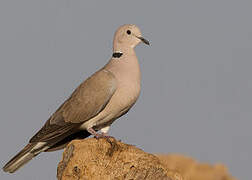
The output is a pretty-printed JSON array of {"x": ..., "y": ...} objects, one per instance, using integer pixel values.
[{"x": 97, "y": 159}]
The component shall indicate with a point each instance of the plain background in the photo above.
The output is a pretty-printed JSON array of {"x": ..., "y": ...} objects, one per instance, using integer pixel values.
[{"x": 196, "y": 94}]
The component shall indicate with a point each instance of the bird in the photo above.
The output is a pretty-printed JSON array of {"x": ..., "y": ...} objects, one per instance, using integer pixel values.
[{"x": 95, "y": 104}]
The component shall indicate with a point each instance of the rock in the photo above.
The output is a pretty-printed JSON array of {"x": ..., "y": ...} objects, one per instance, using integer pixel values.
[
  {"x": 102, "y": 159},
  {"x": 192, "y": 170},
  {"x": 108, "y": 159}
]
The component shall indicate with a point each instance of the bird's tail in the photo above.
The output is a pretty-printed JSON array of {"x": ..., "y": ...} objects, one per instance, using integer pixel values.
[{"x": 25, "y": 155}]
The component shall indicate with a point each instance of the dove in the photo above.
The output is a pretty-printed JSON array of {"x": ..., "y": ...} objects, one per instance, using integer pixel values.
[{"x": 96, "y": 103}]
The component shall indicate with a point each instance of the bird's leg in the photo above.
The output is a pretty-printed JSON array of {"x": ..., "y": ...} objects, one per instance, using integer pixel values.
[
  {"x": 102, "y": 135},
  {"x": 94, "y": 133}
]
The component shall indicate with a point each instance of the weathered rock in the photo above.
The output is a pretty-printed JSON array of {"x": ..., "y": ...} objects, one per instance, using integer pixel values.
[
  {"x": 192, "y": 170},
  {"x": 99, "y": 159}
]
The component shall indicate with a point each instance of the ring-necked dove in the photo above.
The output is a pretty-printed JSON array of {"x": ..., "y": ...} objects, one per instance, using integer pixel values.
[{"x": 95, "y": 104}]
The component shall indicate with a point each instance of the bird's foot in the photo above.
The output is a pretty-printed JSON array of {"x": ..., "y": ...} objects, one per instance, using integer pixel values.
[
  {"x": 108, "y": 138},
  {"x": 99, "y": 135},
  {"x": 105, "y": 135}
]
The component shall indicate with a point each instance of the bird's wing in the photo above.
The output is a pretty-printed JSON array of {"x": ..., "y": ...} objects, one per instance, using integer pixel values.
[{"x": 86, "y": 101}]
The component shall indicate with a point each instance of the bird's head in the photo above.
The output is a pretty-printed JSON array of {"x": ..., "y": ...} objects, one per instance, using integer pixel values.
[{"x": 129, "y": 35}]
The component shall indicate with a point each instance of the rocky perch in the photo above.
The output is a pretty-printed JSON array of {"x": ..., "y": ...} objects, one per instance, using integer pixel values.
[{"x": 102, "y": 159}]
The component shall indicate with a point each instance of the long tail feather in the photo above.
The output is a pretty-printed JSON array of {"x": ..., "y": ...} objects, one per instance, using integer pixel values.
[{"x": 25, "y": 155}]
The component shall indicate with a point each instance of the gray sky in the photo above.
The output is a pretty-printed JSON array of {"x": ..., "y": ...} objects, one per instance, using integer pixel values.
[{"x": 197, "y": 80}]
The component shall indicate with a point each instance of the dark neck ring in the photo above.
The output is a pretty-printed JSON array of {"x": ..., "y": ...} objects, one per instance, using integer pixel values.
[{"x": 117, "y": 54}]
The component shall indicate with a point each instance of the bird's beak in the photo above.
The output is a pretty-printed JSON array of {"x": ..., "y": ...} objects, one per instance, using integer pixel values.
[{"x": 144, "y": 40}]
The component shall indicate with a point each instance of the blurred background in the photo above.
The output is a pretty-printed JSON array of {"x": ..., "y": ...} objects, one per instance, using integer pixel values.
[{"x": 196, "y": 94}]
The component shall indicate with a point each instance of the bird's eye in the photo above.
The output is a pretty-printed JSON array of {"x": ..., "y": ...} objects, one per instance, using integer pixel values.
[{"x": 128, "y": 32}]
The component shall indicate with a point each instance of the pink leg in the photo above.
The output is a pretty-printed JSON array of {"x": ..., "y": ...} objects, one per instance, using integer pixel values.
[
  {"x": 97, "y": 135},
  {"x": 93, "y": 132}
]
